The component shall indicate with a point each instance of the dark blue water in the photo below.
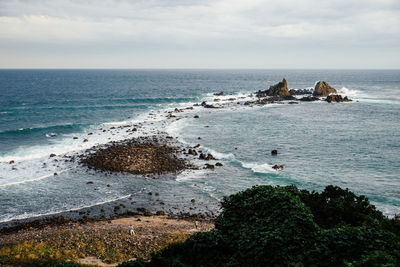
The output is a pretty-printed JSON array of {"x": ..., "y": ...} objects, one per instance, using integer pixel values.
[{"x": 353, "y": 145}]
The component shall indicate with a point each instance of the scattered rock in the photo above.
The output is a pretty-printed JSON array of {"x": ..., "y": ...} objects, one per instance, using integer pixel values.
[
  {"x": 85, "y": 140},
  {"x": 219, "y": 94},
  {"x": 12, "y": 162},
  {"x": 219, "y": 164},
  {"x": 193, "y": 200},
  {"x": 55, "y": 174},
  {"x": 52, "y": 155},
  {"x": 77, "y": 137},
  {"x": 196, "y": 116},
  {"x": 90, "y": 133},
  {"x": 274, "y": 152},
  {"x": 90, "y": 182},
  {"x": 323, "y": 89}
]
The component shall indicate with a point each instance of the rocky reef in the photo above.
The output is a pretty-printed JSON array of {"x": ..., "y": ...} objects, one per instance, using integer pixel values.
[
  {"x": 337, "y": 98},
  {"x": 144, "y": 155}
]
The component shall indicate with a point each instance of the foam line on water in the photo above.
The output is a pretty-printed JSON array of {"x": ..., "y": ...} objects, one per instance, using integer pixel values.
[
  {"x": 34, "y": 179},
  {"x": 32, "y": 215}
]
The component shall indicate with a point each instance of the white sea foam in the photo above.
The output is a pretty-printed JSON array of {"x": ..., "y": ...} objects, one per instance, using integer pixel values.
[
  {"x": 34, "y": 179},
  {"x": 348, "y": 92},
  {"x": 258, "y": 167}
]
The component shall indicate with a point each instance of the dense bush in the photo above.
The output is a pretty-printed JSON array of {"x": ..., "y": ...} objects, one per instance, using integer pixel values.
[{"x": 283, "y": 226}]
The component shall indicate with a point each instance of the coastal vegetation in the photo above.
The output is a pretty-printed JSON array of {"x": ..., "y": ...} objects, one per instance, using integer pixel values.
[{"x": 285, "y": 226}]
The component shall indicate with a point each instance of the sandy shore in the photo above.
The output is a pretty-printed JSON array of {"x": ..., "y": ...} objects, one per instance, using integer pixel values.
[{"x": 108, "y": 241}]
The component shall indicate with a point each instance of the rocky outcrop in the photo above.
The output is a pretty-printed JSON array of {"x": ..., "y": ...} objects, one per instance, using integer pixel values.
[
  {"x": 279, "y": 89},
  {"x": 323, "y": 89},
  {"x": 337, "y": 98}
]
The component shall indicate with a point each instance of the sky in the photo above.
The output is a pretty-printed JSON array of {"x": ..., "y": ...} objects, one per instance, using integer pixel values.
[{"x": 242, "y": 34}]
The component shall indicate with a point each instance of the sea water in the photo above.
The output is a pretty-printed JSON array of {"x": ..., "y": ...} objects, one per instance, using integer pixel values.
[{"x": 353, "y": 145}]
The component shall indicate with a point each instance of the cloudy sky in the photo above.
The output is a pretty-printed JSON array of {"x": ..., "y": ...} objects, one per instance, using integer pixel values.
[{"x": 200, "y": 34}]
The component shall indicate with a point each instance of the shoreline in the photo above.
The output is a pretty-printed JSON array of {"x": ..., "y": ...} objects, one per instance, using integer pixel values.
[{"x": 98, "y": 242}]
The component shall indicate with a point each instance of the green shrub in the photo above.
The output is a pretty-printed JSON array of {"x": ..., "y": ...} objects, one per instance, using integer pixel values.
[
  {"x": 282, "y": 226},
  {"x": 339, "y": 207}
]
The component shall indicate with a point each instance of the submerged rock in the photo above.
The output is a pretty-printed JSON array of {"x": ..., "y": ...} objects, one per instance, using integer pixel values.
[
  {"x": 278, "y": 167},
  {"x": 323, "y": 89},
  {"x": 309, "y": 98}
]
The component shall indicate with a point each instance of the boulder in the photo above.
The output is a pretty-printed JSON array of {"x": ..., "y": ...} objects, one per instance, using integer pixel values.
[
  {"x": 219, "y": 94},
  {"x": 279, "y": 89},
  {"x": 337, "y": 98},
  {"x": 323, "y": 89}
]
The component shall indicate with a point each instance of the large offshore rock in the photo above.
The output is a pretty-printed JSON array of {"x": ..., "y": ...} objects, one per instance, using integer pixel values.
[{"x": 323, "y": 89}]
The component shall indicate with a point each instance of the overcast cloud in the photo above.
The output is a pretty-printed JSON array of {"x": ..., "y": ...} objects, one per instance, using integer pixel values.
[{"x": 200, "y": 34}]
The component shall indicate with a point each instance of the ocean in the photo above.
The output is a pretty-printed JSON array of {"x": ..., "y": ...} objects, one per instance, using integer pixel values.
[{"x": 353, "y": 145}]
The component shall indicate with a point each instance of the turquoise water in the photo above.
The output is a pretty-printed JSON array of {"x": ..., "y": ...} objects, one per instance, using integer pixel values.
[{"x": 354, "y": 145}]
